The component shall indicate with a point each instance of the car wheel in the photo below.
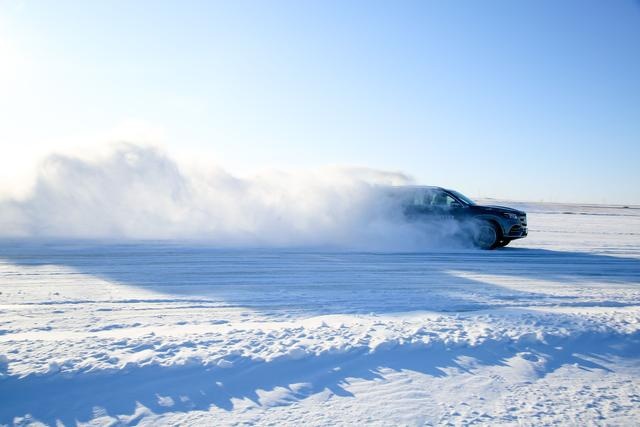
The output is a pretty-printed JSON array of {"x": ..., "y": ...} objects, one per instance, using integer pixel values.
[{"x": 486, "y": 236}]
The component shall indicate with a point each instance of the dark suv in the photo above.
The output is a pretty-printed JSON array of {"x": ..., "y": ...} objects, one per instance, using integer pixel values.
[{"x": 488, "y": 227}]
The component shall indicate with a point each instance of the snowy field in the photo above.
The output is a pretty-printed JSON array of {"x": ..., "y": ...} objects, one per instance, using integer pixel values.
[{"x": 543, "y": 332}]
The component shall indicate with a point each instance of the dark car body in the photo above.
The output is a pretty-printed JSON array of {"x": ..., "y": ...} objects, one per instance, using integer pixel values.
[{"x": 436, "y": 203}]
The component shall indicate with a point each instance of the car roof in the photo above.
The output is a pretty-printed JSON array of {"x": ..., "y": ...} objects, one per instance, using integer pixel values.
[{"x": 419, "y": 187}]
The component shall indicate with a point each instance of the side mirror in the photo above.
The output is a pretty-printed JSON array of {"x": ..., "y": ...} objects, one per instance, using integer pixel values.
[{"x": 455, "y": 205}]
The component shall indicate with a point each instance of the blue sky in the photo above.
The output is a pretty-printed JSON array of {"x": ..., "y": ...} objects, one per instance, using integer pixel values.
[{"x": 536, "y": 100}]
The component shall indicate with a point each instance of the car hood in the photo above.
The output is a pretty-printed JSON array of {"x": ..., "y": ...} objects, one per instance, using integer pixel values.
[{"x": 492, "y": 208}]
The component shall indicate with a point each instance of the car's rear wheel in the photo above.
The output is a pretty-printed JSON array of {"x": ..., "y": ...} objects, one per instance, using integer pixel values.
[{"x": 486, "y": 236}]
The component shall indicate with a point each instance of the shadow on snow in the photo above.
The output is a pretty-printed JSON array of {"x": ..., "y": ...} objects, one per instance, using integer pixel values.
[{"x": 312, "y": 282}]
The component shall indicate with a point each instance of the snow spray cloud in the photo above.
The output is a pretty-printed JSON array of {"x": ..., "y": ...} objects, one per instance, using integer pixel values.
[{"x": 138, "y": 192}]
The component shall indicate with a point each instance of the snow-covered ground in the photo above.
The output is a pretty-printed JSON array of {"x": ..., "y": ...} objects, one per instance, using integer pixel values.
[{"x": 545, "y": 331}]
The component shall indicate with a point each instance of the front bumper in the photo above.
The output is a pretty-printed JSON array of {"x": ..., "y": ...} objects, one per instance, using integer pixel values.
[{"x": 518, "y": 229}]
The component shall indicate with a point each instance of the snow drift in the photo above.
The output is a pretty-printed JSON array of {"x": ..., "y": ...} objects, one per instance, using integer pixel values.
[{"x": 139, "y": 192}]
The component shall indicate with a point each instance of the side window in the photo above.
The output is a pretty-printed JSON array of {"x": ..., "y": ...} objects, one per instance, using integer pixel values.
[
  {"x": 432, "y": 199},
  {"x": 442, "y": 200},
  {"x": 422, "y": 199}
]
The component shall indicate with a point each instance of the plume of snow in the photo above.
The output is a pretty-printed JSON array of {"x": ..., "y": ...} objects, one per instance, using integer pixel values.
[{"x": 139, "y": 192}]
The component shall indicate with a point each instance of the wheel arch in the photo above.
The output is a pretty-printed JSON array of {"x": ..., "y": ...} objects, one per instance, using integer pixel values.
[
  {"x": 498, "y": 227},
  {"x": 493, "y": 221}
]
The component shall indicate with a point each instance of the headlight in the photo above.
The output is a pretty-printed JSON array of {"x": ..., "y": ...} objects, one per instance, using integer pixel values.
[{"x": 509, "y": 215}]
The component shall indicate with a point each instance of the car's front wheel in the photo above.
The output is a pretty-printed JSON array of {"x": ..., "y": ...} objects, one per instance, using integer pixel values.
[{"x": 486, "y": 236}]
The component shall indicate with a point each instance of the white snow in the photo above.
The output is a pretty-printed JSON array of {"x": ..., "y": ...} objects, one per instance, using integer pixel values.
[{"x": 545, "y": 331}]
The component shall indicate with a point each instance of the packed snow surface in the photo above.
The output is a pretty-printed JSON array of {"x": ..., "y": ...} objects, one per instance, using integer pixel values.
[{"x": 545, "y": 331}]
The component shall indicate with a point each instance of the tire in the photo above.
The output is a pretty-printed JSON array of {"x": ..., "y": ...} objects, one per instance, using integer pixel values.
[
  {"x": 502, "y": 243},
  {"x": 486, "y": 236}
]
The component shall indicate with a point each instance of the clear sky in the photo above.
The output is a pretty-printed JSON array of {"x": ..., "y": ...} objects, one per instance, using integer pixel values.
[{"x": 528, "y": 100}]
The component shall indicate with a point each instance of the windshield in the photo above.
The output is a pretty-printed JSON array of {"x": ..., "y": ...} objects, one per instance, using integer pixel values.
[{"x": 462, "y": 197}]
